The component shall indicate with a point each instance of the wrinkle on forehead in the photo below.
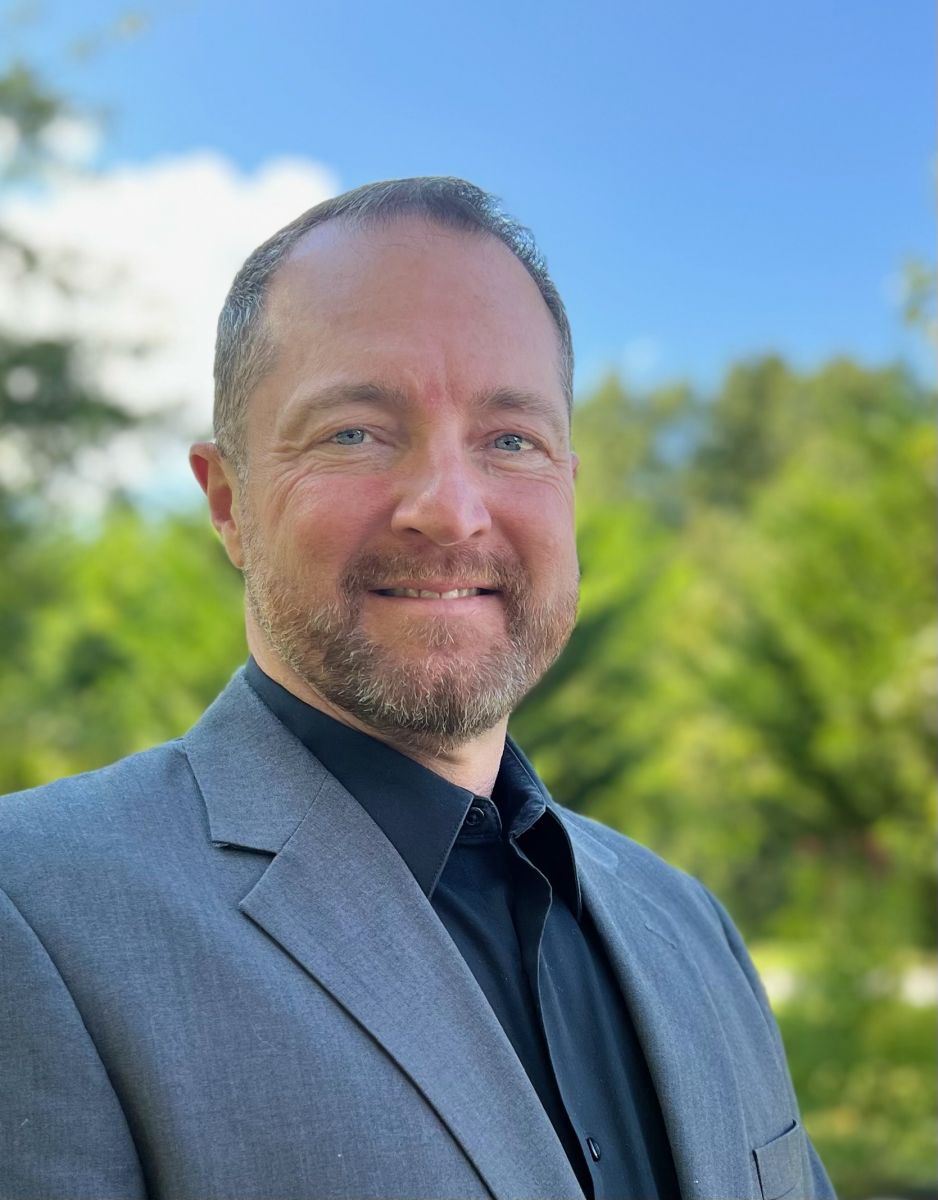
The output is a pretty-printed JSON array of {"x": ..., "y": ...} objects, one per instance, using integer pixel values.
[{"x": 335, "y": 264}]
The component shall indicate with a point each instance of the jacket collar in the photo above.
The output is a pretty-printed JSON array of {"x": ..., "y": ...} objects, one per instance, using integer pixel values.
[{"x": 256, "y": 780}]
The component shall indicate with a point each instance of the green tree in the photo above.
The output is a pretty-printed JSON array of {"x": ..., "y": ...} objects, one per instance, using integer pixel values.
[
  {"x": 138, "y": 628},
  {"x": 49, "y": 409}
]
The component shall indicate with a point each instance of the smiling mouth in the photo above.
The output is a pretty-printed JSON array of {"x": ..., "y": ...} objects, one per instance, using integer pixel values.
[{"x": 426, "y": 594}]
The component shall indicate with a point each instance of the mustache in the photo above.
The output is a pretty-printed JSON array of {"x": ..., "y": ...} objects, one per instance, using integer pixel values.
[{"x": 371, "y": 570}]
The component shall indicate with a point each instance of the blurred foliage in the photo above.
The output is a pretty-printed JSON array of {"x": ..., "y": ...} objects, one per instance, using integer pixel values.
[
  {"x": 750, "y": 689},
  {"x": 50, "y": 408},
  {"x": 113, "y": 644}
]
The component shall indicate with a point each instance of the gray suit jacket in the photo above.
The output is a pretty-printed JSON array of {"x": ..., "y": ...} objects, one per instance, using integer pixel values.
[{"x": 219, "y": 981}]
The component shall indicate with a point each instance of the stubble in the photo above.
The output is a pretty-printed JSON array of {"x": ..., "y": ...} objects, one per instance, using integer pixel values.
[{"x": 422, "y": 692}]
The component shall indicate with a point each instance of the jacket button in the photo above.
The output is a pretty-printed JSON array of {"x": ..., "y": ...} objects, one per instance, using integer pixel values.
[{"x": 595, "y": 1152}]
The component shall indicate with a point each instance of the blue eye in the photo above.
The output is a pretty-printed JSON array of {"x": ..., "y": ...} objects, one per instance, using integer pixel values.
[
  {"x": 342, "y": 433},
  {"x": 515, "y": 438}
]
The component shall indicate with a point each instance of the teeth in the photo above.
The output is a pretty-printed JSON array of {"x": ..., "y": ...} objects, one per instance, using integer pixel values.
[{"x": 425, "y": 595}]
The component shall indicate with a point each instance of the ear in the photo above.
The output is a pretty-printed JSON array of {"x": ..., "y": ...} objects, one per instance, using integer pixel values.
[
  {"x": 219, "y": 482},
  {"x": 576, "y": 463}
]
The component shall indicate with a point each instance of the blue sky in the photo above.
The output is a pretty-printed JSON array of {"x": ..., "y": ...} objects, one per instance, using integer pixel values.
[{"x": 707, "y": 180}]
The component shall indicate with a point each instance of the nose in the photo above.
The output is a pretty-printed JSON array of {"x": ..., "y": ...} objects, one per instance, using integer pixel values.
[{"x": 441, "y": 497}]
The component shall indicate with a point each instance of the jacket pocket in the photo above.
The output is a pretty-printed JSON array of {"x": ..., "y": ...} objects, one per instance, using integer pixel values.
[{"x": 779, "y": 1163}]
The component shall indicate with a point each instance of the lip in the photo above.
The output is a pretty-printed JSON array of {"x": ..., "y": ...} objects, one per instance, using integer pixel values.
[
  {"x": 433, "y": 585},
  {"x": 459, "y": 604},
  {"x": 436, "y": 585}
]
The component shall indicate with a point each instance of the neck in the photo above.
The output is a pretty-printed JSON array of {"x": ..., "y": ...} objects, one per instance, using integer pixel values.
[{"x": 473, "y": 765}]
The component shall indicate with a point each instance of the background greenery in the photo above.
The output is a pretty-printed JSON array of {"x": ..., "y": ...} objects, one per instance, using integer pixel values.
[{"x": 750, "y": 689}]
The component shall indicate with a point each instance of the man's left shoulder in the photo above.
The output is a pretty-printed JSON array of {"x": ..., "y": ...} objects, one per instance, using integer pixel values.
[{"x": 638, "y": 867}]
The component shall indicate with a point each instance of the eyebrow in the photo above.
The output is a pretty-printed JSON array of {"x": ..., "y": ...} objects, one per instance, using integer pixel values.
[
  {"x": 530, "y": 403},
  {"x": 300, "y": 408},
  {"x": 338, "y": 394},
  {"x": 385, "y": 396}
]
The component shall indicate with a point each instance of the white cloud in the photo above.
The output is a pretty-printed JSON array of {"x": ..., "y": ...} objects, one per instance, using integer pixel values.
[
  {"x": 149, "y": 252},
  {"x": 73, "y": 141}
]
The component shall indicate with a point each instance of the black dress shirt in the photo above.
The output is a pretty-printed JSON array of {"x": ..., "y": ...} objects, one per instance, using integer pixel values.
[{"x": 500, "y": 874}]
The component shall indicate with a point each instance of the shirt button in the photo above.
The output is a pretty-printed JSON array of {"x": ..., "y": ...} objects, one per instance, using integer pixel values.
[
  {"x": 595, "y": 1152},
  {"x": 475, "y": 816}
]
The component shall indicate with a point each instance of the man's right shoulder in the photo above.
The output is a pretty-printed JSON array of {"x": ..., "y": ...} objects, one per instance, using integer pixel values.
[
  {"x": 79, "y": 814},
  {"x": 129, "y": 797}
]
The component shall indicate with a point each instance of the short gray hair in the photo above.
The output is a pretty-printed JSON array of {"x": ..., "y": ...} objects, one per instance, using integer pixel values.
[{"x": 244, "y": 349}]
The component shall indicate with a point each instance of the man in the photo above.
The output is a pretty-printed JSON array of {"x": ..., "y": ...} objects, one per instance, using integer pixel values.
[{"x": 338, "y": 941}]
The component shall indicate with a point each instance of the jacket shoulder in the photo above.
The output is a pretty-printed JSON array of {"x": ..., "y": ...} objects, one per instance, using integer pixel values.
[
  {"x": 662, "y": 883},
  {"x": 639, "y": 860},
  {"x": 89, "y": 789},
  {"x": 85, "y": 817}
]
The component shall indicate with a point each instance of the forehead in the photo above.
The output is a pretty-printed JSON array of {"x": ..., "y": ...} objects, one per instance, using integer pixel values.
[{"x": 412, "y": 297}]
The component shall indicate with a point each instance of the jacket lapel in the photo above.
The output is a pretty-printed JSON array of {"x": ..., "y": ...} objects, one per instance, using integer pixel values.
[
  {"x": 340, "y": 901},
  {"x": 677, "y": 1024}
]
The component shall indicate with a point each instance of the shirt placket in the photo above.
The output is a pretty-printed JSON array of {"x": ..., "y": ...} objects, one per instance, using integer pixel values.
[{"x": 534, "y": 902}]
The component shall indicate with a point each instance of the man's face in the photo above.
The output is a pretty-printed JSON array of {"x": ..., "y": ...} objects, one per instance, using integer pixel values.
[{"x": 411, "y": 434}]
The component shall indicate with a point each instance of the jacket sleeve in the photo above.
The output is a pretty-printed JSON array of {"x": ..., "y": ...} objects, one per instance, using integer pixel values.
[
  {"x": 63, "y": 1133},
  {"x": 823, "y": 1188}
]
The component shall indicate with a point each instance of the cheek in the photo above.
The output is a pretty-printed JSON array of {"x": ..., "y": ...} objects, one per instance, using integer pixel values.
[
  {"x": 327, "y": 521},
  {"x": 542, "y": 529}
]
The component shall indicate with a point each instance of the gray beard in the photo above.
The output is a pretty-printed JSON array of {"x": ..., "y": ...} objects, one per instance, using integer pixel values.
[{"x": 429, "y": 704}]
